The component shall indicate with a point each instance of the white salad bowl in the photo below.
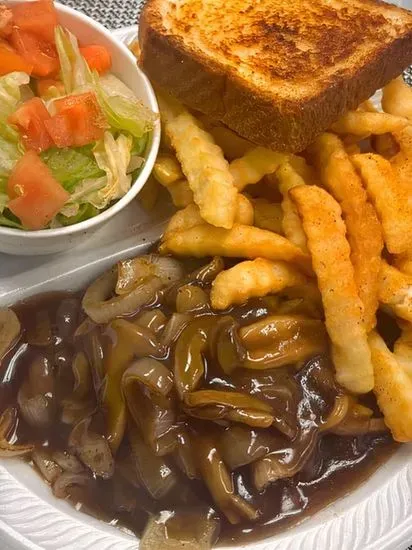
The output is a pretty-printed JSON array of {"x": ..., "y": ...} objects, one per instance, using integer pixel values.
[{"x": 48, "y": 241}]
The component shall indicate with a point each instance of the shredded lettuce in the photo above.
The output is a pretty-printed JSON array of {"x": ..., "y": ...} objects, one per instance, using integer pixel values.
[
  {"x": 75, "y": 71},
  {"x": 123, "y": 110},
  {"x": 11, "y": 92},
  {"x": 7, "y": 219},
  {"x": 9, "y": 155},
  {"x": 71, "y": 166},
  {"x": 14, "y": 87},
  {"x": 84, "y": 212},
  {"x": 113, "y": 156}
]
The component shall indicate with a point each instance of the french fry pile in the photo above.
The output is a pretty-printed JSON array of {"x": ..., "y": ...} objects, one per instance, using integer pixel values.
[{"x": 336, "y": 219}]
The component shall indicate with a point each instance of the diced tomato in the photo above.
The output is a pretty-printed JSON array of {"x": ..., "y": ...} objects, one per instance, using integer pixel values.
[
  {"x": 11, "y": 61},
  {"x": 87, "y": 121},
  {"x": 36, "y": 197},
  {"x": 38, "y": 18},
  {"x": 30, "y": 120},
  {"x": 40, "y": 54},
  {"x": 98, "y": 57},
  {"x": 6, "y": 21},
  {"x": 60, "y": 130},
  {"x": 44, "y": 85}
]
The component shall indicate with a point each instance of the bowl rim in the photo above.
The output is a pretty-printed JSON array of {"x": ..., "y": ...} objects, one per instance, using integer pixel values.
[{"x": 151, "y": 151}]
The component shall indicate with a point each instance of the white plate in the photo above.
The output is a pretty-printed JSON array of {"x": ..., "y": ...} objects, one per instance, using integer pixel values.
[{"x": 374, "y": 517}]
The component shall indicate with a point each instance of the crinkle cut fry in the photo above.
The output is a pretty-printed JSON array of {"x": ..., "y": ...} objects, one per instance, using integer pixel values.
[
  {"x": 202, "y": 162},
  {"x": 253, "y": 279},
  {"x": 360, "y": 123},
  {"x": 395, "y": 291},
  {"x": 364, "y": 232},
  {"x": 393, "y": 389},
  {"x": 292, "y": 226},
  {"x": 325, "y": 231},
  {"x": 242, "y": 241},
  {"x": 390, "y": 199},
  {"x": 402, "y": 348},
  {"x": 397, "y": 98},
  {"x": 190, "y": 216}
]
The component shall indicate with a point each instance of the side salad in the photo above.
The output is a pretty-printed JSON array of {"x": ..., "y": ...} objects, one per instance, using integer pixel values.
[{"x": 72, "y": 134}]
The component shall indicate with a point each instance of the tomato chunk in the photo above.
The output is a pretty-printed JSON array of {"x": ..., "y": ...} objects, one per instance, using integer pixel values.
[
  {"x": 60, "y": 130},
  {"x": 38, "y": 18},
  {"x": 98, "y": 57},
  {"x": 11, "y": 61},
  {"x": 36, "y": 197},
  {"x": 30, "y": 120},
  {"x": 86, "y": 119},
  {"x": 40, "y": 54},
  {"x": 44, "y": 85}
]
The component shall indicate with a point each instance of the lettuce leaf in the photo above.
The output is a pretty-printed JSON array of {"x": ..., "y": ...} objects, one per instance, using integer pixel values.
[
  {"x": 75, "y": 71},
  {"x": 9, "y": 155},
  {"x": 7, "y": 219},
  {"x": 14, "y": 88},
  {"x": 84, "y": 212},
  {"x": 71, "y": 166},
  {"x": 123, "y": 110}
]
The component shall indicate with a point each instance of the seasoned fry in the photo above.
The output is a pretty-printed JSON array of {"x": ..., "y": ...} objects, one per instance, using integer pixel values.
[
  {"x": 242, "y": 241},
  {"x": 325, "y": 231},
  {"x": 403, "y": 349},
  {"x": 390, "y": 199},
  {"x": 393, "y": 389},
  {"x": 363, "y": 228},
  {"x": 255, "y": 164},
  {"x": 305, "y": 170},
  {"x": 403, "y": 263},
  {"x": 268, "y": 215},
  {"x": 203, "y": 164},
  {"x": 397, "y": 98},
  {"x": 253, "y": 279},
  {"x": 385, "y": 145},
  {"x": 402, "y": 161},
  {"x": 395, "y": 291},
  {"x": 190, "y": 216},
  {"x": 360, "y": 123},
  {"x": 292, "y": 226}
]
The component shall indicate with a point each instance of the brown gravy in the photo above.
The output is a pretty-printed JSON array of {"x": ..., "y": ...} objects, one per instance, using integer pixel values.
[{"x": 337, "y": 465}]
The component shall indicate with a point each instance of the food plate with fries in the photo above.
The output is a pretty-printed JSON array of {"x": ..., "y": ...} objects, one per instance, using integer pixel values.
[{"x": 271, "y": 317}]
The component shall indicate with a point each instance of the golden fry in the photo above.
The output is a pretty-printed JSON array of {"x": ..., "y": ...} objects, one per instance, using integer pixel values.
[
  {"x": 360, "y": 123},
  {"x": 364, "y": 232},
  {"x": 149, "y": 194},
  {"x": 181, "y": 194},
  {"x": 397, "y": 98},
  {"x": 292, "y": 226},
  {"x": 167, "y": 170},
  {"x": 203, "y": 164},
  {"x": 232, "y": 145},
  {"x": 255, "y": 164},
  {"x": 367, "y": 107},
  {"x": 325, "y": 232},
  {"x": 390, "y": 199},
  {"x": 403, "y": 348},
  {"x": 385, "y": 145},
  {"x": 393, "y": 389},
  {"x": 268, "y": 215},
  {"x": 242, "y": 241},
  {"x": 395, "y": 291},
  {"x": 190, "y": 217},
  {"x": 251, "y": 280}
]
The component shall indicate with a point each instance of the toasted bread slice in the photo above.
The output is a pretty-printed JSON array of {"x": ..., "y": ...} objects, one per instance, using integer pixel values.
[{"x": 278, "y": 72}]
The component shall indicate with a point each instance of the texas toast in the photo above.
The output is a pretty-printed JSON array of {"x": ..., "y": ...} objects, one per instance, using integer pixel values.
[{"x": 278, "y": 72}]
